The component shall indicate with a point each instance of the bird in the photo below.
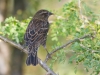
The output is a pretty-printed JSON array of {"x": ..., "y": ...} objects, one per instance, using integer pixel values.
[{"x": 36, "y": 35}]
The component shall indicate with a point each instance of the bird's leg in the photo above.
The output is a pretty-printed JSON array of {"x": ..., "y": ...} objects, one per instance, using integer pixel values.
[
  {"x": 46, "y": 50},
  {"x": 48, "y": 54}
]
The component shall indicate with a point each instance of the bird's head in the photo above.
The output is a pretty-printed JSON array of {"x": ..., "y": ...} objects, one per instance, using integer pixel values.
[{"x": 43, "y": 14}]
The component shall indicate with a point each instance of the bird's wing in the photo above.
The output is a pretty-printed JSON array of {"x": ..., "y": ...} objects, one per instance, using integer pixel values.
[
  {"x": 44, "y": 32},
  {"x": 35, "y": 31}
]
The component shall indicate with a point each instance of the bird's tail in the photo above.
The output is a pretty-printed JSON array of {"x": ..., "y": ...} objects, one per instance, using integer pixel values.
[{"x": 32, "y": 59}]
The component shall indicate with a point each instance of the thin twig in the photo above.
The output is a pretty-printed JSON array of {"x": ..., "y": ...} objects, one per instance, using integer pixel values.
[
  {"x": 91, "y": 50},
  {"x": 41, "y": 63},
  {"x": 66, "y": 44},
  {"x": 80, "y": 11},
  {"x": 79, "y": 5}
]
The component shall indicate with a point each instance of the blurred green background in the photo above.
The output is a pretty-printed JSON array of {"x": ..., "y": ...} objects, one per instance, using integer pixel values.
[{"x": 12, "y": 61}]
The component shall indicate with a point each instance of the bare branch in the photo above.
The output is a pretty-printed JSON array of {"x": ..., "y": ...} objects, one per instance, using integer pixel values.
[
  {"x": 44, "y": 65},
  {"x": 41, "y": 63},
  {"x": 80, "y": 11},
  {"x": 66, "y": 44}
]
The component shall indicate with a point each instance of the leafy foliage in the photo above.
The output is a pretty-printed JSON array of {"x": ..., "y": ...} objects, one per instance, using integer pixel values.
[
  {"x": 69, "y": 24},
  {"x": 14, "y": 29}
]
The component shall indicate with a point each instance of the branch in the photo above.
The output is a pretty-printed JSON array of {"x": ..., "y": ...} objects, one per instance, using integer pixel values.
[
  {"x": 41, "y": 63},
  {"x": 80, "y": 12},
  {"x": 91, "y": 50},
  {"x": 80, "y": 9},
  {"x": 66, "y": 44}
]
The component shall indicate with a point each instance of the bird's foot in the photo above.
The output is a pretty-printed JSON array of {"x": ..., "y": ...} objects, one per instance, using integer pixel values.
[{"x": 48, "y": 55}]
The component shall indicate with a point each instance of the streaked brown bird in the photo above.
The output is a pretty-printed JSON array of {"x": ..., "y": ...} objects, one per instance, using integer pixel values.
[{"x": 36, "y": 35}]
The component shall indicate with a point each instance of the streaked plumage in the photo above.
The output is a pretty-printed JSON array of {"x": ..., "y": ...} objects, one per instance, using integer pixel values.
[{"x": 36, "y": 35}]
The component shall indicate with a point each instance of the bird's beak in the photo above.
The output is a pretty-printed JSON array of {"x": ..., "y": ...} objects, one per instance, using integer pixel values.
[{"x": 51, "y": 13}]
